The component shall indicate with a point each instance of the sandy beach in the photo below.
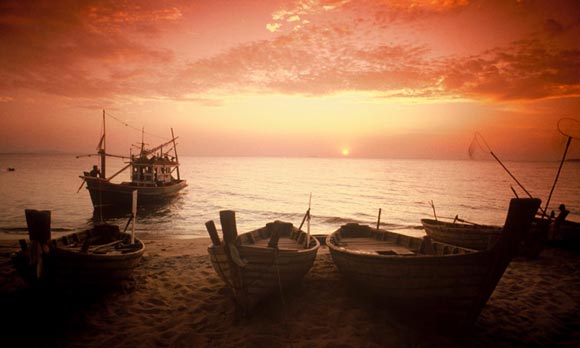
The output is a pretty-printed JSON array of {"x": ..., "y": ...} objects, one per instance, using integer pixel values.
[{"x": 177, "y": 300}]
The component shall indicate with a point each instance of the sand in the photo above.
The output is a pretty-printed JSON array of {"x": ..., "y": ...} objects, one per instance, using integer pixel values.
[{"x": 177, "y": 300}]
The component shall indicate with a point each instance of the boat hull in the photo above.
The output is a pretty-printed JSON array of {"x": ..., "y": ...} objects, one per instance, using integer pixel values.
[
  {"x": 97, "y": 259},
  {"x": 266, "y": 270},
  {"x": 478, "y": 237},
  {"x": 106, "y": 194},
  {"x": 428, "y": 280}
]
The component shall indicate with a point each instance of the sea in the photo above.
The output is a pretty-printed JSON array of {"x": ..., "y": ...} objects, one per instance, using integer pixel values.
[{"x": 264, "y": 189}]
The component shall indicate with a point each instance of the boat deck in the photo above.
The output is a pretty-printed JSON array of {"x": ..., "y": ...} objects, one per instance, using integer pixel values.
[
  {"x": 283, "y": 243},
  {"x": 373, "y": 246}
]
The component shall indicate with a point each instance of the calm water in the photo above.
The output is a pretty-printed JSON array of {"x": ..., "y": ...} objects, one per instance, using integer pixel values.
[{"x": 264, "y": 189}]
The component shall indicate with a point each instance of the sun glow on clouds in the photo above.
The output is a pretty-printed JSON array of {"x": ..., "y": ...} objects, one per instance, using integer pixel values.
[{"x": 368, "y": 73}]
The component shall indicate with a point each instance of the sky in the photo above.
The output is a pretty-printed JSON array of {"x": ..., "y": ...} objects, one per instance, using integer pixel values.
[{"x": 314, "y": 78}]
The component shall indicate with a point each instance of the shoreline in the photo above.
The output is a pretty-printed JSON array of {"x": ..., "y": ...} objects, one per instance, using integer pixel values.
[{"x": 177, "y": 300}]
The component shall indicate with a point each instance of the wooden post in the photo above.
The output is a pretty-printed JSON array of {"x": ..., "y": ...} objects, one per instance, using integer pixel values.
[
  {"x": 518, "y": 222},
  {"x": 134, "y": 211},
  {"x": 308, "y": 230},
  {"x": 103, "y": 150},
  {"x": 38, "y": 222},
  {"x": 230, "y": 233},
  {"x": 379, "y": 219},
  {"x": 229, "y": 228},
  {"x": 215, "y": 238}
]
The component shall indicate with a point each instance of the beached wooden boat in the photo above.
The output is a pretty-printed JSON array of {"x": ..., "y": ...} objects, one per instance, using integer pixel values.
[
  {"x": 260, "y": 263},
  {"x": 98, "y": 258},
  {"x": 472, "y": 236},
  {"x": 151, "y": 175},
  {"x": 432, "y": 281}
]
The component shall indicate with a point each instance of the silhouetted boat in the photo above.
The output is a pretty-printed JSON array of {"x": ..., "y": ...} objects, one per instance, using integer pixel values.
[
  {"x": 260, "y": 263},
  {"x": 472, "y": 236},
  {"x": 98, "y": 258},
  {"x": 481, "y": 237},
  {"x": 151, "y": 174},
  {"x": 431, "y": 281}
]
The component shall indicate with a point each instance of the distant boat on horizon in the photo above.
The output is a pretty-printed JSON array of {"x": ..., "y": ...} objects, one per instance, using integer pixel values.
[{"x": 151, "y": 174}]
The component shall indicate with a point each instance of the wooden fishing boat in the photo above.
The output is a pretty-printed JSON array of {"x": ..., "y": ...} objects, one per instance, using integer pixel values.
[
  {"x": 260, "y": 263},
  {"x": 434, "y": 282},
  {"x": 472, "y": 236},
  {"x": 151, "y": 174},
  {"x": 101, "y": 257}
]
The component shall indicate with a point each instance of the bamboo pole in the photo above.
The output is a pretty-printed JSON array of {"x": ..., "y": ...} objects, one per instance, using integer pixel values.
[
  {"x": 514, "y": 191},
  {"x": 119, "y": 172},
  {"x": 433, "y": 206},
  {"x": 510, "y": 174},
  {"x": 103, "y": 149},
  {"x": 308, "y": 222},
  {"x": 557, "y": 175}
]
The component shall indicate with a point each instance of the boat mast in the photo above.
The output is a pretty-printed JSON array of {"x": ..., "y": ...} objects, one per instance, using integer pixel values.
[
  {"x": 103, "y": 150},
  {"x": 175, "y": 151}
]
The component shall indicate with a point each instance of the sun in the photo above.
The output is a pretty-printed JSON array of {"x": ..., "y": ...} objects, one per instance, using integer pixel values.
[{"x": 345, "y": 152}]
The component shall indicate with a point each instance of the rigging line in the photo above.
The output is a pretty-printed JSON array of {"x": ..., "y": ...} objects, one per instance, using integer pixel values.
[
  {"x": 564, "y": 133},
  {"x": 135, "y": 128}
]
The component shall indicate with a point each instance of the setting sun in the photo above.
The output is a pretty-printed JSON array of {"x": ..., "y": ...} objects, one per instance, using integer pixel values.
[{"x": 345, "y": 152}]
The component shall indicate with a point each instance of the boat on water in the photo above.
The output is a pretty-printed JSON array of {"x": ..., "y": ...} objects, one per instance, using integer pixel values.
[
  {"x": 467, "y": 235},
  {"x": 261, "y": 263},
  {"x": 433, "y": 282},
  {"x": 98, "y": 258},
  {"x": 154, "y": 174}
]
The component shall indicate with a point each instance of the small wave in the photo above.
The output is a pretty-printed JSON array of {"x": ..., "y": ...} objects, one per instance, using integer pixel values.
[
  {"x": 336, "y": 220},
  {"x": 18, "y": 230}
]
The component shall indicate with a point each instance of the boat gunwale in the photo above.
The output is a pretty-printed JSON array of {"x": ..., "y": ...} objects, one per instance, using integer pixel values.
[{"x": 330, "y": 242}]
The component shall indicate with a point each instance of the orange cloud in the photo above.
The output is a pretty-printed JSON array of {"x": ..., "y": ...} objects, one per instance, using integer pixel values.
[{"x": 108, "y": 49}]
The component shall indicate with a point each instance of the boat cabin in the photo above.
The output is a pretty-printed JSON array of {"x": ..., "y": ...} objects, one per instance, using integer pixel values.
[{"x": 152, "y": 171}]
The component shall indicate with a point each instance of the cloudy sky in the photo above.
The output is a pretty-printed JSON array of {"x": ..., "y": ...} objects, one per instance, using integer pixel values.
[{"x": 396, "y": 79}]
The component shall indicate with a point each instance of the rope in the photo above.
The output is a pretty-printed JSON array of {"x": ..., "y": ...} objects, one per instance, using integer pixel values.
[
  {"x": 135, "y": 128},
  {"x": 284, "y": 315}
]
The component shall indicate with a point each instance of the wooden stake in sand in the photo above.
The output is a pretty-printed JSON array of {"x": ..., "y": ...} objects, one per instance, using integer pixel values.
[
  {"x": 134, "y": 213},
  {"x": 379, "y": 219}
]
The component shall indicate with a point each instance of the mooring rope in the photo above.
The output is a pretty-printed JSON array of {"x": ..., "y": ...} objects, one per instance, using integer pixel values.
[{"x": 284, "y": 315}]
